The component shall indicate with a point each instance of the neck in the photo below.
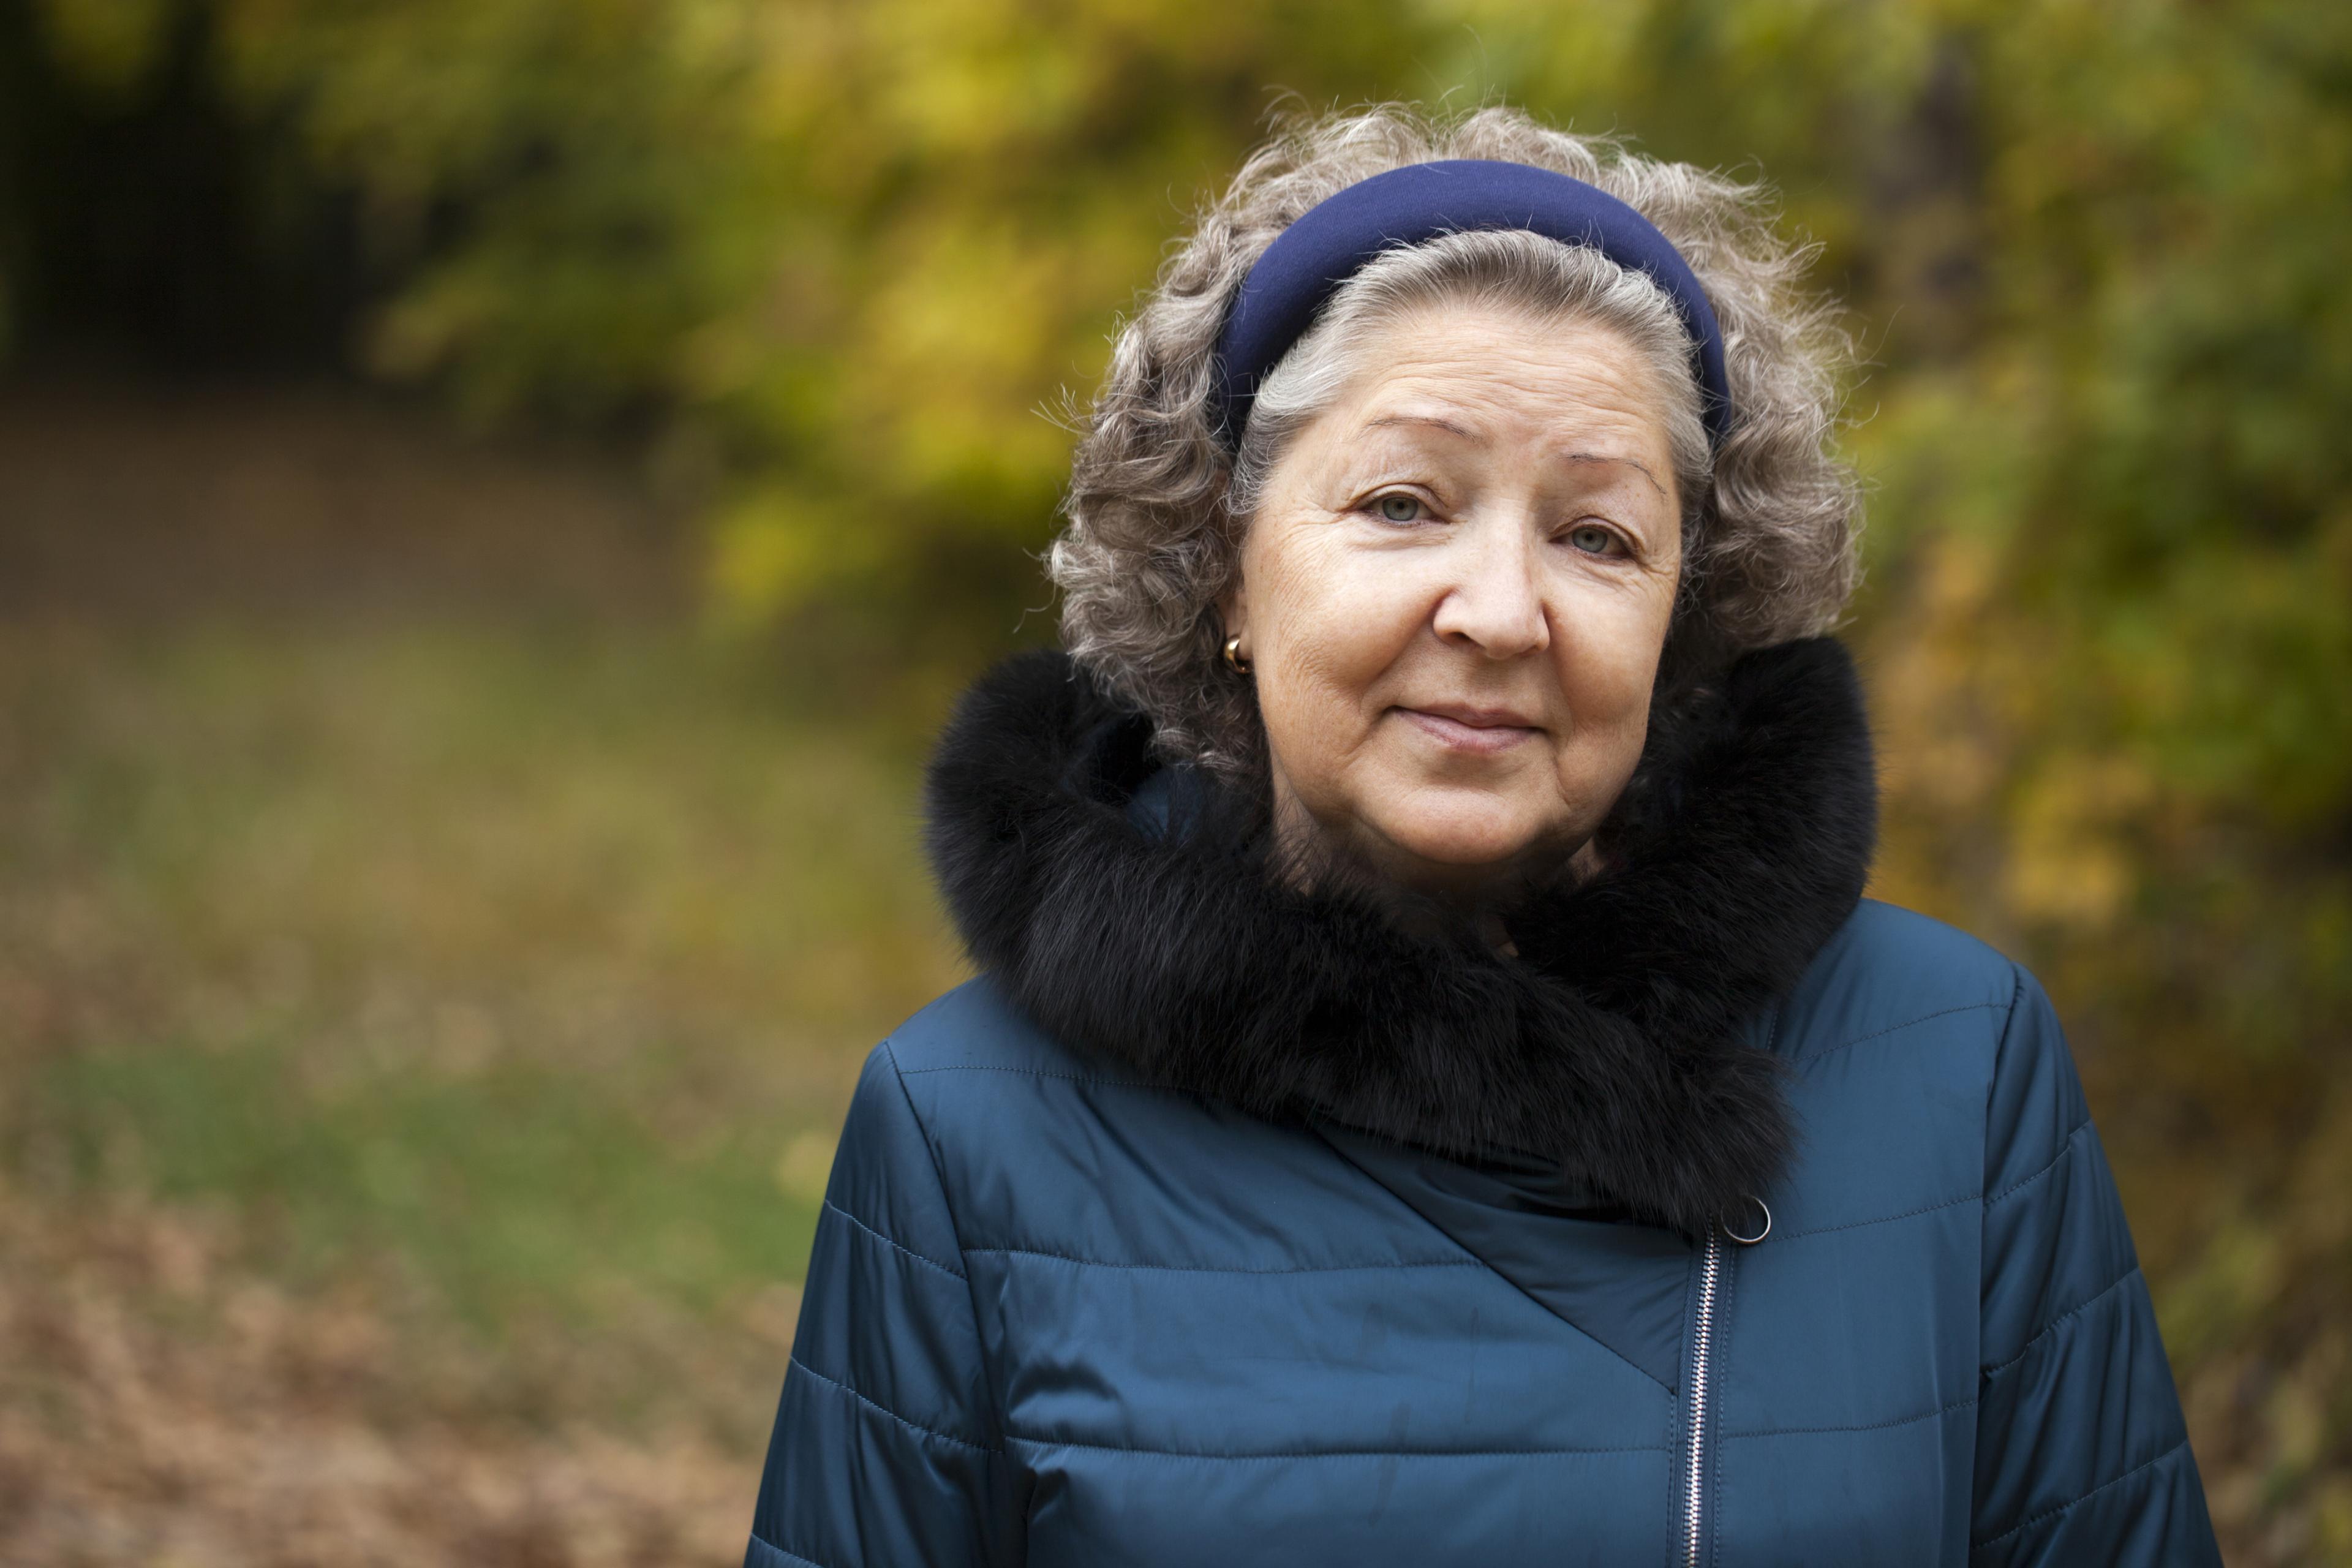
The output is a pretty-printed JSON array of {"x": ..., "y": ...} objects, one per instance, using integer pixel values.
[{"x": 1314, "y": 855}]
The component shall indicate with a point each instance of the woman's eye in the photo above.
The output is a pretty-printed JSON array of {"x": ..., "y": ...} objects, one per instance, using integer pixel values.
[
  {"x": 1592, "y": 539},
  {"x": 1399, "y": 508}
]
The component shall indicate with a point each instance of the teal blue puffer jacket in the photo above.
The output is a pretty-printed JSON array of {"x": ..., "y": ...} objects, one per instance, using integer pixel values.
[{"x": 1073, "y": 1304}]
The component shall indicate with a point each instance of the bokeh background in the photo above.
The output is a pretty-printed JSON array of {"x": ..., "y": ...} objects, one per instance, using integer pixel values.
[{"x": 495, "y": 493}]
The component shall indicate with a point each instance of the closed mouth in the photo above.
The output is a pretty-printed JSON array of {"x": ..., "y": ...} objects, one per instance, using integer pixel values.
[{"x": 1477, "y": 731}]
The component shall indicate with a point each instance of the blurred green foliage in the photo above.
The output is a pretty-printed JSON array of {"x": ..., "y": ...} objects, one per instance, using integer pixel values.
[{"x": 840, "y": 259}]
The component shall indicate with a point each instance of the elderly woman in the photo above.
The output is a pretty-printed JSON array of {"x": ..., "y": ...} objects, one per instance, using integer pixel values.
[{"x": 1436, "y": 1093}]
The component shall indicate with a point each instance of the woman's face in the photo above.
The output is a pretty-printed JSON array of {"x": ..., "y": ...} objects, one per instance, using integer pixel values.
[{"x": 1454, "y": 592}]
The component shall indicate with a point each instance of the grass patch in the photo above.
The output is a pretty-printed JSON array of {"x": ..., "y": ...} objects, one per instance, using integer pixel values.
[
  {"x": 515, "y": 1194},
  {"x": 533, "y": 960}
]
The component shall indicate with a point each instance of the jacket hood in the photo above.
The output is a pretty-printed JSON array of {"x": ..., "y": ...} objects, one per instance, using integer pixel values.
[{"x": 1611, "y": 1048}]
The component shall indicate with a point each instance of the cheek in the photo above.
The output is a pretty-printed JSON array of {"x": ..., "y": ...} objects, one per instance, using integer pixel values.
[
  {"x": 1606, "y": 649},
  {"x": 1327, "y": 625},
  {"x": 1607, "y": 662}
]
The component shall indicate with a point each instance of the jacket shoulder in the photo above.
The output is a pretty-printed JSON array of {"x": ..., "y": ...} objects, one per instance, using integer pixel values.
[
  {"x": 966, "y": 1083},
  {"x": 1043, "y": 1150},
  {"x": 990, "y": 1087},
  {"x": 1890, "y": 970}
]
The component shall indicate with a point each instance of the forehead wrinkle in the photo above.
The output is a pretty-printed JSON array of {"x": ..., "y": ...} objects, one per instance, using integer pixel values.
[{"x": 1487, "y": 389}]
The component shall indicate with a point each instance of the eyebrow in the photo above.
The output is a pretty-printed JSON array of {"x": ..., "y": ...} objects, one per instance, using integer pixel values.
[
  {"x": 1601, "y": 457},
  {"x": 1387, "y": 421},
  {"x": 1435, "y": 421}
]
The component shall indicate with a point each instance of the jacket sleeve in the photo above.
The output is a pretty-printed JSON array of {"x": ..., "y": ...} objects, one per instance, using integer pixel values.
[
  {"x": 886, "y": 1450},
  {"x": 2081, "y": 1453}
]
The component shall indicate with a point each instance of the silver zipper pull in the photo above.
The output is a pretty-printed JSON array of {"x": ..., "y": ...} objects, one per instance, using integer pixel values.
[{"x": 1732, "y": 1226}]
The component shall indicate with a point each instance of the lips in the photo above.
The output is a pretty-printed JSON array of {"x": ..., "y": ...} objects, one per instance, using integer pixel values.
[{"x": 1474, "y": 732}]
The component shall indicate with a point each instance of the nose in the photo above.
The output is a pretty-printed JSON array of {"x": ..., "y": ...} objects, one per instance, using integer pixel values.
[{"x": 1495, "y": 604}]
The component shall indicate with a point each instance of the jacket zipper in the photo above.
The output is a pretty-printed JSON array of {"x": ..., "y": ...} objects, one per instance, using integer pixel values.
[{"x": 1702, "y": 1341}]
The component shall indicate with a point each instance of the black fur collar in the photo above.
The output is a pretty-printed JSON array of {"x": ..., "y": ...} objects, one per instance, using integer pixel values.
[{"x": 1610, "y": 1046}]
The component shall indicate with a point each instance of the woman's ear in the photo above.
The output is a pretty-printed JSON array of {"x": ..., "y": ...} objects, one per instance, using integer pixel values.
[{"x": 1232, "y": 609}]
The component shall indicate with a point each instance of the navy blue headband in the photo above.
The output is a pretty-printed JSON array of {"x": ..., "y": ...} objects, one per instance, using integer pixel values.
[{"x": 1332, "y": 240}]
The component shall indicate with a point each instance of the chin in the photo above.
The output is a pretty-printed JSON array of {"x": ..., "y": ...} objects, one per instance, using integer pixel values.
[{"x": 1466, "y": 842}]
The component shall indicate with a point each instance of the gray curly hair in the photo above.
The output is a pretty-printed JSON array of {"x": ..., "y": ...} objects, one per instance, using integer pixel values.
[{"x": 1158, "y": 505}]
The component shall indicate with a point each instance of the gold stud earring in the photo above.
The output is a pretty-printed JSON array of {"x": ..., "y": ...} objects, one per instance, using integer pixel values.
[{"x": 1234, "y": 659}]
